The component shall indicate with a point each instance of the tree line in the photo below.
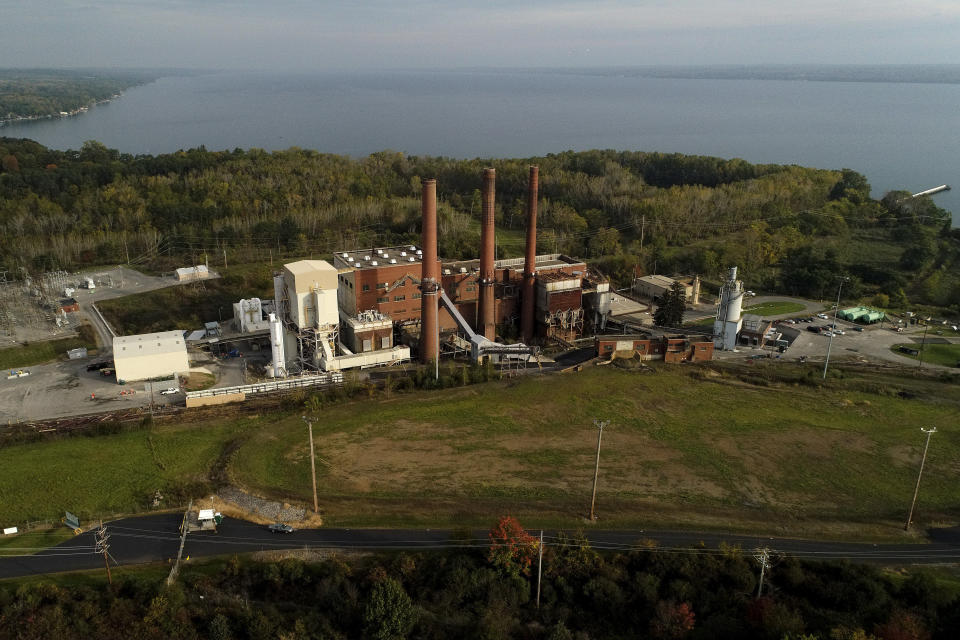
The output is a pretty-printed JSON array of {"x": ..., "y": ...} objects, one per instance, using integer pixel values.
[
  {"x": 789, "y": 228},
  {"x": 35, "y": 93},
  {"x": 488, "y": 591}
]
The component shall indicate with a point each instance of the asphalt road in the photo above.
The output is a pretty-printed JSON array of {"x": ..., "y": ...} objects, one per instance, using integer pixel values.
[{"x": 155, "y": 538}]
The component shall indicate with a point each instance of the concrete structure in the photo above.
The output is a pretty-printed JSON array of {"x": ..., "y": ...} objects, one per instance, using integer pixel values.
[
  {"x": 430, "y": 282},
  {"x": 655, "y": 286},
  {"x": 530, "y": 259},
  {"x": 150, "y": 355},
  {"x": 668, "y": 348},
  {"x": 369, "y": 331},
  {"x": 186, "y": 274},
  {"x": 248, "y": 316},
  {"x": 488, "y": 322},
  {"x": 310, "y": 293},
  {"x": 727, "y": 323}
]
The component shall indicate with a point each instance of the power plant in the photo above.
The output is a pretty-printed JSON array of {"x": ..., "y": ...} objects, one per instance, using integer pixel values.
[{"x": 376, "y": 306}]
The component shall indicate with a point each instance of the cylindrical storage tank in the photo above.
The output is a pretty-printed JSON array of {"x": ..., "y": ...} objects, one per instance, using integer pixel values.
[
  {"x": 734, "y": 306},
  {"x": 732, "y": 274},
  {"x": 276, "y": 347}
]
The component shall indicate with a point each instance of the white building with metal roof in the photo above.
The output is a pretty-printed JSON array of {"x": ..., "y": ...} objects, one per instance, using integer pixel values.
[{"x": 150, "y": 355}]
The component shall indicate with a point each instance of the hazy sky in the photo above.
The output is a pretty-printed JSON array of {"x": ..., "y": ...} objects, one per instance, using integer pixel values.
[{"x": 321, "y": 34}]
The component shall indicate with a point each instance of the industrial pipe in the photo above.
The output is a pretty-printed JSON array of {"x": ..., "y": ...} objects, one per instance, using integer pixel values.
[
  {"x": 530, "y": 261},
  {"x": 488, "y": 322},
  {"x": 429, "y": 281}
]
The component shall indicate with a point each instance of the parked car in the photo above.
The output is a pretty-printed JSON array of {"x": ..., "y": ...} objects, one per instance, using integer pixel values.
[
  {"x": 279, "y": 527},
  {"x": 838, "y": 331},
  {"x": 169, "y": 391},
  {"x": 96, "y": 366},
  {"x": 749, "y": 294},
  {"x": 813, "y": 328},
  {"x": 822, "y": 316},
  {"x": 858, "y": 329}
]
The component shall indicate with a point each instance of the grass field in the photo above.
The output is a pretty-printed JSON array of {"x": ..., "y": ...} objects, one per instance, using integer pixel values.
[
  {"x": 686, "y": 447},
  {"x": 774, "y": 308},
  {"x": 40, "y": 352},
  {"x": 947, "y": 355}
]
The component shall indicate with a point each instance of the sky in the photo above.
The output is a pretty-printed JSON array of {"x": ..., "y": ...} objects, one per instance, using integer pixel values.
[{"x": 377, "y": 34}]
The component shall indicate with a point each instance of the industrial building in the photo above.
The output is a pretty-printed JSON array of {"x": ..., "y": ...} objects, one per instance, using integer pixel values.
[
  {"x": 151, "y": 355},
  {"x": 669, "y": 348},
  {"x": 186, "y": 274},
  {"x": 756, "y": 330}
]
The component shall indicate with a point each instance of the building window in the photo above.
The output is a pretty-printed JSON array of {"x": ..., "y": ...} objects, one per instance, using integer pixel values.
[
  {"x": 381, "y": 285},
  {"x": 399, "y": 298},
  {"x": 385, "y": 299},
  {"x": 416, "y": 296},
  {"x": 366, "y": 287},
  {"x": 471, "y": 288}
]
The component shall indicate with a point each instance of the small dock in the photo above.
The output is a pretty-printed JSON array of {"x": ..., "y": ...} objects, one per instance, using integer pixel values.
[{"x": 930, "y": 192}]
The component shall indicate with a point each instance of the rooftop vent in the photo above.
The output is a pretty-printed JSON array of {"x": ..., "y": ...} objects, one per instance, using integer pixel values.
[
  {"x": 463, "y": 269},
  {"x": 403, "y": 254},
  {"x": 343, "y": 255},
  {"x": 412, "y": 248},
  {"x": 373, "y": 263},
  {"x": 412, "y": 259},
  {"x": 393, "y": 261},
  {"x": 446, "y": 272}
]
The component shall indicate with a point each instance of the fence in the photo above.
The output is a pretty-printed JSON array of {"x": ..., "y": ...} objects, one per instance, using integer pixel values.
[{"x": 323, "y": 380}]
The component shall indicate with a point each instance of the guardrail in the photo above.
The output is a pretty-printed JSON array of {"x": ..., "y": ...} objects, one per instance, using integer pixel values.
[{"x": 323, "y": 380}]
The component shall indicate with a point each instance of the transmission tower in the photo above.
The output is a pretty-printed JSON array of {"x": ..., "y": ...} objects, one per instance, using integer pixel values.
[{"x": 103, "y": 546}]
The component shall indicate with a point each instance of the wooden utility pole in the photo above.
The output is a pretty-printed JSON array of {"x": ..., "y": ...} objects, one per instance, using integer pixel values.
[
  {"x": 763, "y": 557},
  {"x": 540, "y": 569},
  {"x": 643, "y": 224},
  {"x": 923, "y": 345},
  {"x": 596, "y": 472},
  {"x": 103, "y": 546},
  {"x": 313, "y": 466},
  {"x": 183, "y": 539},
  {"x": 916, "y": 491},
  {"x": 224, "y": 258}
]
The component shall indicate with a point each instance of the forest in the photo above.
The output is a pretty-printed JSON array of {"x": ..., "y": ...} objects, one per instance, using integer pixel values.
[
  {"x": 33, "y": 93},
  {"x": 790, "y": 229},
  {"x": 487, "y": 589}
]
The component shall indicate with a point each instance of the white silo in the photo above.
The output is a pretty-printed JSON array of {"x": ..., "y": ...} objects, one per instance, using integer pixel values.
[
  {"x": 276, "y": 347},
  {"x": 727, "y": 324}
]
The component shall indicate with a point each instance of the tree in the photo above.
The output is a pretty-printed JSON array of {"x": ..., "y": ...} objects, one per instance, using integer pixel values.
[
  {"x": 512, "y": 549},
  {"x": 389, "y": 614},
  {"x": 673, "y": 303},
  {"x": 671, "y": 620}
]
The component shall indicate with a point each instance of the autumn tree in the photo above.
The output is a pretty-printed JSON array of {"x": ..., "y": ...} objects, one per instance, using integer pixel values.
[
  {"x": 512, "y": 549},
  {"x": 671, "y": 620}
]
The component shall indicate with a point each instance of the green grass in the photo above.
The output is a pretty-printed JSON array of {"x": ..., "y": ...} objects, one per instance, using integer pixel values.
[
  {"x": 105, "y": 475},
  {"x": 774, "y": 308},
  {"x": 686, "y": 447},
  {"x": 40, "y": 352},
  {"x": 189, "y": 305},
  {"x": 947, "y": 355},
  {"x": 30, "y": 542}
]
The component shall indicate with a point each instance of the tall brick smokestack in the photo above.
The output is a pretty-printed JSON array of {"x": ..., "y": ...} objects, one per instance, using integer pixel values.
[
  {"x": 430, "y": 276},
  {"x": 530, "y": 260},
  {"x": 488, "y": 321}
]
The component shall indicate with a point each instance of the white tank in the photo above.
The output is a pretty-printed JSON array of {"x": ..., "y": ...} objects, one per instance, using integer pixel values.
[{"x": 276, "y": 347}]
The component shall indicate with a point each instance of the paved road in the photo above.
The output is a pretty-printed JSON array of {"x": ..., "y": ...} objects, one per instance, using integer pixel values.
[{"x": 155, "y": 538}]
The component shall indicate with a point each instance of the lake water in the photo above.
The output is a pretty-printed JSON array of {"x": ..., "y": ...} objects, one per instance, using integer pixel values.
[{"x": 900, "y": 135}]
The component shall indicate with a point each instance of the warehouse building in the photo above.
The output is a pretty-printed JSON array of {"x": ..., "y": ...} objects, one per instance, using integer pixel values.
[
  {"x": 150, "y": 355},
  {"x": 655, "y": 286}
]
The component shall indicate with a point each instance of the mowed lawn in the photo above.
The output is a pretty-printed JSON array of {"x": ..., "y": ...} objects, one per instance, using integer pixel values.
[
  {"x": 685, "y": 447},
  {"x": 677, "y": 450},
  {"x": 98, "y": 476},
  {"x": 774, "y": 308},
  {"x": 947, "y": 355}
]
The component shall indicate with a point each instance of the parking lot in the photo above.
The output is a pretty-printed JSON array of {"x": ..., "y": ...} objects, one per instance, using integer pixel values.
[{"x": 63, "y": 389}]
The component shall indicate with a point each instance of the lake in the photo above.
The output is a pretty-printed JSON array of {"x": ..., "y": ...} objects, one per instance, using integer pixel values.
[{"x": 900, "y": 135}]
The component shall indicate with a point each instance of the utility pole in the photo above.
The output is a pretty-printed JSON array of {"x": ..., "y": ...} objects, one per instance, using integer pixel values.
[
  {"x": 224, "y": 257},
  {"x": 183, "y": 539},
  {"x": 763, "y": 557},
  {"x": 540, "y": 569},
  {"x": 313, "y": 466},
  {"x": 103, "y": 546},
  {"x": 643, "y": 224},
  {"x": 596, "y": 472},
  {"x": 835, "y": 310},
  {"x": 923, "y": 345},
  {"x": 916, "y": 491}
]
